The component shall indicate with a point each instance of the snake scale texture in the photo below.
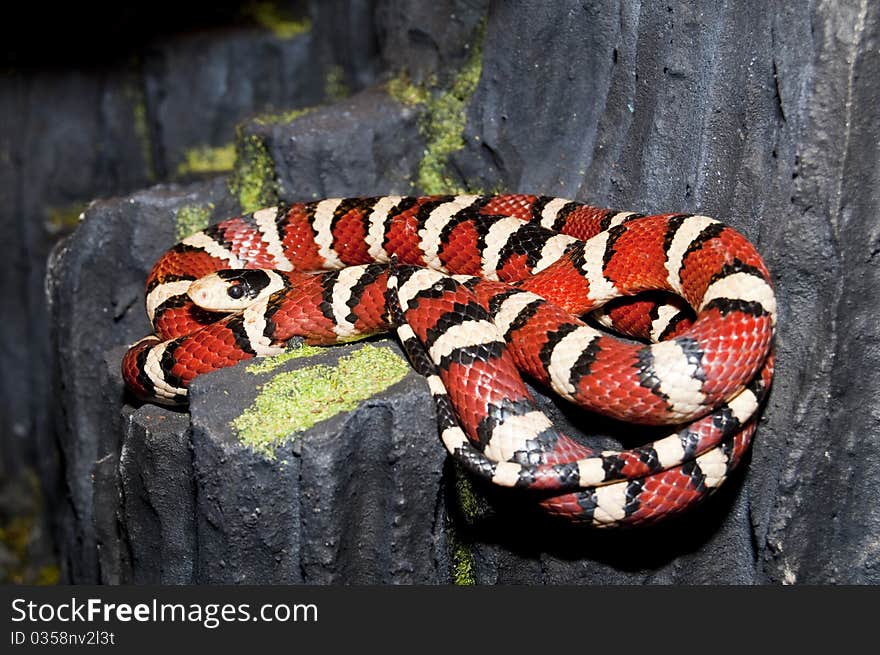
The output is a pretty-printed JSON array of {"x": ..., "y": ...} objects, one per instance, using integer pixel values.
[{"x": 481, "y": 289}]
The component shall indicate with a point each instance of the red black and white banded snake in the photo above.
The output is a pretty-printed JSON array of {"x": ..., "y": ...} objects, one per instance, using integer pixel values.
[{"x": 479, "y": 289}]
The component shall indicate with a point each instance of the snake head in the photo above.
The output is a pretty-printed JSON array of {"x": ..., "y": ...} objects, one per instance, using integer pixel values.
[{"x": 234, "y": 290}]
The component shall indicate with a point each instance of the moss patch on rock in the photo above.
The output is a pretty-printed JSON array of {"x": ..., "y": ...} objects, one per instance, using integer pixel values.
[
  {"x": 443, "y": 119},
  {"x": 471, "y": 508},
  {"x": 406, "y": 93},
  {"x": 25, "y": 555},
  {"x": 269, "y": 364},
  {"x": 190, "y": 219},
  {"x": 253, "y": 179},
  {"x": 207, "y": 159},
  {"x": 135, "y": 94},
  {"x": 443, "y": 128},
  {"x": 63, "y": 220},
  {"x": 294, "y": 401},
  {"x": 281, "y": 117},
  {"x": 462, "y": 561},
  {"x": 270, "y": 16},
  {"x": 335, "y": 86}
]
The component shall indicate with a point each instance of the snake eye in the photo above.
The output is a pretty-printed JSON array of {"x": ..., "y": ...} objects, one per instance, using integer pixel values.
[{"x": 235, "y": 292}]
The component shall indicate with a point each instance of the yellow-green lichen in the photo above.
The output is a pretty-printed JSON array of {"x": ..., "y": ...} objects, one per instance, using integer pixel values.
[
  {"x": 207, "y": 159},
  {"x": 462, "y": 562},
  {"x": 63, "y": 220},
  {"x": 281, "y": 117},
  {"x": 269, "y": 364},
  {"x": 141, "y": 128},
  {"x": 443, "y": 128},
  {"x": 190, "y": 219},
  {"x": 20, "y": 536},
  {"x": 406, "y": 93},
  {"x": 470, "y": 505},
  {"x": 271, "y": 17},
  {"x": 253, "y": 176},
  {"x": 471, "y": 508},
  {"x": 335, "y": 86},
  {"x": 296, "y": 400},
  {"x": 48, "y": 575},
  {"x": 16, "y": 535}
]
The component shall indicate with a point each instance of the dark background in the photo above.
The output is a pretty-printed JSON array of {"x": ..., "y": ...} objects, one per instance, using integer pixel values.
[{"x": 765, "y": 116}]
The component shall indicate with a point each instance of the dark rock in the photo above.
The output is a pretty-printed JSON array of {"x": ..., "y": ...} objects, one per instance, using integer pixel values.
[
  {"x": 352, "y": 499},
  {"x": 49, "y": 127},
  {"x": 368, "y": 144},
  {"x": 345, "y": 33},
  {"x": 90, "y": 277},
  {"x": 106, "y": 500},
  {"x": 130, "y": 96},
  {"x": 158, "y": 513},
  {"x": 428, "y": 39},
  {"x": 227, "y": 76}
]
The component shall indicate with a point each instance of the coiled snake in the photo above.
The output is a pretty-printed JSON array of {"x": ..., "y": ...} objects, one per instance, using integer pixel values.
[{"x": 479, "y": 289}]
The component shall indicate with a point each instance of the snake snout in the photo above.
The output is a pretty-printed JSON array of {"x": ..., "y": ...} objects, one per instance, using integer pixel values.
[
  {"x": 212, "y": 293},
  {"x": 198, "y": 293},
  {"x": 234, "y": 290},
  {"x": 200, "y": 297}
]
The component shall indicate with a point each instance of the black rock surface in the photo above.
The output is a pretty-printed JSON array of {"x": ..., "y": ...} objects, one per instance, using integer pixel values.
[
  {"x": 226, "y": 78},
  {"x": 158, "y": 496},
  {"x": 428, "y": 39},
  {"x": 362, "y": 144},
  {"x": 764, "y": 117},
  {"x": 95, "y": 287},
  {"x": 102, "y": 103},
  {"x": 352, "y": 500}
]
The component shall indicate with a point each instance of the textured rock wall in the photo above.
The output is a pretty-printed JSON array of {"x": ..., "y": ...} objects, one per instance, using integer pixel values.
[
  {"x": 122, "y": 100},
  {"x": 764, "y": 117}
]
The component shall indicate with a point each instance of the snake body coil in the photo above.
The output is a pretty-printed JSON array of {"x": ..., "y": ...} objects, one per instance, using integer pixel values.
[{"x": 479, "y": 289}]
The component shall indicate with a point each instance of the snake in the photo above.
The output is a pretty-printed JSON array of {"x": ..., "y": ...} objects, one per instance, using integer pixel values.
[{"x": 656, "y": 320}]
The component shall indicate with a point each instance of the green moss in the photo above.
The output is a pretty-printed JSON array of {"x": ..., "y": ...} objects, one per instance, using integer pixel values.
[
  {"x": 48, "y": 575},
  {"x": 142, "y": 129},
  {"x": 268, "y": 364},
  {"x": 471, "y": 508},
  {"x": 406, "y": 93},
  {"x": 271, "y": 17},
  {"x": 282, "y": 117},
  {"x": 63, "y": 220},
  {"x": 443, "y": 127},
  {"x": 253, "y": 177},
  {"x": 15, "y": 535},
  {"x": 443, "y": 120},
  {"x": 335, "y": 87},
  {"x": 27, "y": 562},
  {"x": 462, "y": 562},
  {"x": 190, "y": 219},
  {"x": 460, "y": 549},
  {"x": 206, "y": 159},
  {"x": 294, "y": 401}
]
